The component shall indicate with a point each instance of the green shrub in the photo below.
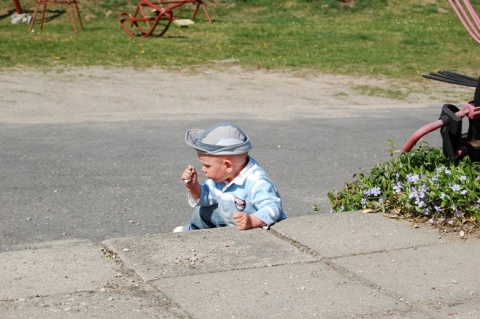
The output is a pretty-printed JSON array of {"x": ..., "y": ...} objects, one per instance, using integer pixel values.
[{"x": 422, "y": 185}]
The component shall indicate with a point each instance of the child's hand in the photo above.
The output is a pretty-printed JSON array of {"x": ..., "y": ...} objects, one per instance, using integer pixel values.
[
  {"x": 243, "y": 220},
  {"x": 189, "y": 176}
]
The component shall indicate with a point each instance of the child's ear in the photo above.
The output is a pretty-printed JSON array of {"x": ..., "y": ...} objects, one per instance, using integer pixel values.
[{"x": 228, "y": 165}]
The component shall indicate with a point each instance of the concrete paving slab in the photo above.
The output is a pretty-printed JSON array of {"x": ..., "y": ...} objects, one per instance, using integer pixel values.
[
  {"x": 351, "y": 233},
  {"x": 311, "y": 290},
  {"x": 53, "y": 268},
  {"x": 102, "y": 305},
  {"x": 411, "y": 314},
  {"x": 74, "y": 279},
  {"x": 203, "y": 251},
  {"x": 466, "y": 309},
  {"x": 436, "y": 275}
]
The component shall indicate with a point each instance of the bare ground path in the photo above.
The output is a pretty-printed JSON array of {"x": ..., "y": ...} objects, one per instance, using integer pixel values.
[{"x": 98, "y": 94}]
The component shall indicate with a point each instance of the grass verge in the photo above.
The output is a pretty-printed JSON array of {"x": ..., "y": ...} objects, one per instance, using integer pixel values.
[{"x": 396, "y": 39}]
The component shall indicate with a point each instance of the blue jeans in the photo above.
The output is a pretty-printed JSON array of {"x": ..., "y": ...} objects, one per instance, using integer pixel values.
[{"x": 206, "y": 217}]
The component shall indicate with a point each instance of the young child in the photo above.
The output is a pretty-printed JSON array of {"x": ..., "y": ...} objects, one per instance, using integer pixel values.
[{"x": 237, "y": 192}]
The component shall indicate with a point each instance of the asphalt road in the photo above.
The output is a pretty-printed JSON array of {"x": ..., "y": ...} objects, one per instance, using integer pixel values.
[
  {"x": 100, "y": 180},
  {"x": 97, "y": 153}
]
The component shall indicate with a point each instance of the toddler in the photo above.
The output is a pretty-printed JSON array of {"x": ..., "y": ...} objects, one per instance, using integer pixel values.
[{"x": 237, "y": 192}]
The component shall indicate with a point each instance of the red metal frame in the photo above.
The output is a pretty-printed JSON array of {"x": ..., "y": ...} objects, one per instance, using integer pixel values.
[
  {"x": 18, "y": 7},
  {"x": 69, "y": 3},
  {"x": 154, "y": 18}
]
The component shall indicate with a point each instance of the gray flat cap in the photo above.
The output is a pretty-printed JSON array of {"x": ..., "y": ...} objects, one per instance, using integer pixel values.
[{"x": 223, "y": 138}]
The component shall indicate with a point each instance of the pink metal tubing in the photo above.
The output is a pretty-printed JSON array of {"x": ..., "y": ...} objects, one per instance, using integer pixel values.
[
  {"x": 424, "y": 130},
  {"x": 465, "y": 18},
  {"x": 472, "y": 11}
]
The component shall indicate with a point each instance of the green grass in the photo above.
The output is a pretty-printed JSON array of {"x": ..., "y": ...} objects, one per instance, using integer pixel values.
[
  {"x": 394, "y": 94},
  {"x": 396, "y": 39}
]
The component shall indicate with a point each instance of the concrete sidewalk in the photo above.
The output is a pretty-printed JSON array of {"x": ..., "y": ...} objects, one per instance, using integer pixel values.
[{"x": 344, "y": 265}]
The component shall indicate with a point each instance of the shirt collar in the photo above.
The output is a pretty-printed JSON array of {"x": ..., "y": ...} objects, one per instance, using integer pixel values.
[{"x": 242, "y": 176}]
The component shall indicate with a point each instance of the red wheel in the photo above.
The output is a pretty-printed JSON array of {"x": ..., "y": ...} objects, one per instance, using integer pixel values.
[
  {"x": 131, "y": 26},
  {"x": 156, "y": 24},
  {"x": 162, "y": 24}
]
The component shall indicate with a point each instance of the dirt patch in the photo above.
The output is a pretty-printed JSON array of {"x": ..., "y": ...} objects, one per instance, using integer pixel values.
[{"x": 99, "y": 94}]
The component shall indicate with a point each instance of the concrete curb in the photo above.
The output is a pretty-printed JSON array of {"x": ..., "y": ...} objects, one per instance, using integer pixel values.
[{"x": 345, "y": 265}]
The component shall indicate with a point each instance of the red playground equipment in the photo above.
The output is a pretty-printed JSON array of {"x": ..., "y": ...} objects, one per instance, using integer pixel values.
[
  {"x": 154, "y": 18},
  {"x": 468, "y": 16},
  {"x": 456, "y": 144},
  {"x": 18, "y": 7},
  {"x": 72, "y": 7}
]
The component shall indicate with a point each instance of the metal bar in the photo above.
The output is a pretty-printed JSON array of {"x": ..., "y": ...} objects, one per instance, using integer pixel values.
[
  {"x": 465, "y": 20},
  {"x": 424, "y": 130},
  {"x": 453, "y": 74},
  {"x": 472, "y": 12},
  {"x": 18, "y": 7},
  {"x": 437, "y": 77}
]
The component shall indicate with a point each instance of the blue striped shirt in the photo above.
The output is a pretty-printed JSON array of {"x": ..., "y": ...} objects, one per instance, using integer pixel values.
[{"x": 251, "y": 191}]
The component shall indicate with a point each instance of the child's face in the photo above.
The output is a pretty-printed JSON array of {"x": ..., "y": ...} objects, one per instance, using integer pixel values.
[{"x": 214, "y": 167}]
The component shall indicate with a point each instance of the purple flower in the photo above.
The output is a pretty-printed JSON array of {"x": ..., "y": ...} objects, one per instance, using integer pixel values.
[
  {"x": 463, "y": 178},
  {"x": 413, "y": 194},
  {"x": 375, "y": 191},
  {"x": 455, "y": 188},
  {"x": 398, "y": 187},
  {"x": 413, "y": 178},
  {"x": 420, "y": 204}
]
